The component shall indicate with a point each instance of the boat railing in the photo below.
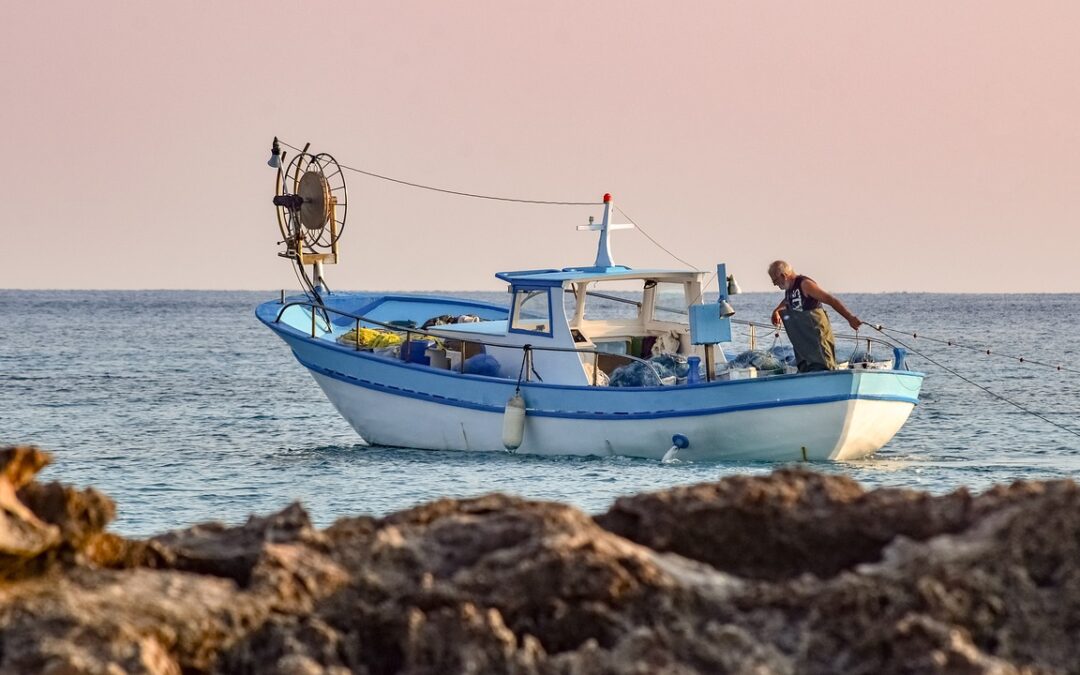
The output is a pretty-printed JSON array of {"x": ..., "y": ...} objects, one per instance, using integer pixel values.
[
  {"x": 777, "y": 330},
  {"x": 527, "y": 366},
  {"x": 753, "y": 325}
]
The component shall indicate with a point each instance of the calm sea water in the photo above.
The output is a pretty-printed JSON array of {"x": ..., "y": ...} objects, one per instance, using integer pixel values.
[{"x": 184, "y": 408}]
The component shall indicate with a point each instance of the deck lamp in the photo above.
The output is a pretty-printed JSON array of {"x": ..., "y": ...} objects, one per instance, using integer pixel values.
[
  {"x": 275, "y": 155},
  {"x": 732, "y": 285},
  {"x": 726, "y": 309}
]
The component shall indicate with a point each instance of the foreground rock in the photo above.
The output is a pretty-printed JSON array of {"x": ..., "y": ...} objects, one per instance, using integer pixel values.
[{"x": 789, "y": 573}]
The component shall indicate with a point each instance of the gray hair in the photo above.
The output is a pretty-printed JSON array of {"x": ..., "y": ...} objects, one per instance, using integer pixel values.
[{"x": 780, "y": 267}]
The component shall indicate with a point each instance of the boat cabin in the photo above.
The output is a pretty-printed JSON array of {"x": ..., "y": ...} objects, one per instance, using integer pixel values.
[
  {"x": 584, "y": 322},
  {"x": 580, "y": 332}
]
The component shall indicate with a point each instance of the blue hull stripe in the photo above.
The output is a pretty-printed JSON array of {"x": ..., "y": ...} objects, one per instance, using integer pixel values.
[
  {"x": 586, "y": 415},
  {"x": 287, "y": 332}
]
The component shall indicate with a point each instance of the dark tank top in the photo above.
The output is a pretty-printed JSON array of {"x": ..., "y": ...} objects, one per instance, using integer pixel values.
[{"x": 796, "y": 300}]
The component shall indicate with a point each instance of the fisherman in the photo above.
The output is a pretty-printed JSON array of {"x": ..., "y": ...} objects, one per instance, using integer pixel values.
[{"x": 804, "y": 318}]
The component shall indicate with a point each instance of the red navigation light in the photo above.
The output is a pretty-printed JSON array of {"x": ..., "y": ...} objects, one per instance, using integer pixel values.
[{"x": 607, "y": 197}]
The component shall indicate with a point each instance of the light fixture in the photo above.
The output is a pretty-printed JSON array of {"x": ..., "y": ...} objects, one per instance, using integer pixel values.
[
  {"x": 275, "y": 155},
  {"x": 732, "y": 285},
  {"x": 726, "y": 309}
]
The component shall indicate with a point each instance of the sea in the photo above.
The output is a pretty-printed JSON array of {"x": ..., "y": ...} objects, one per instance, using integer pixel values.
[{"x": 183, "y": 408}]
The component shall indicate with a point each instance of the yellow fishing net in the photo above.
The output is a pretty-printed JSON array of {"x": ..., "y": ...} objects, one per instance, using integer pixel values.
[{"x": 371, "y": 338}]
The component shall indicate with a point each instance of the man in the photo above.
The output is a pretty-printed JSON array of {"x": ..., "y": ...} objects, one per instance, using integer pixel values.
[{"x": 804, "y": 318}]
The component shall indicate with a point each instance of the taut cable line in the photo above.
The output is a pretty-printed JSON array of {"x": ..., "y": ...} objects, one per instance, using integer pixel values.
[
  {"x": 661, "y": 246},
  {"x": 984, "y": 350},
  {"x": 546, "y": 202},
  {"x": 881, "y": 329},
  {"x": 456, "y": 192}
]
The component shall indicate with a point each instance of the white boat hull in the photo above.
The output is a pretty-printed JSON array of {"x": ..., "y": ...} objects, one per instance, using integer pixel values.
[
  {"x": 836, "y": 430},
  {"x": 835, "y": 415}
]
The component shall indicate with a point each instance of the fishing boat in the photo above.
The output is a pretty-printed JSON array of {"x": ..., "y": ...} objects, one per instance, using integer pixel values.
[{"x": 542, "y": 374}]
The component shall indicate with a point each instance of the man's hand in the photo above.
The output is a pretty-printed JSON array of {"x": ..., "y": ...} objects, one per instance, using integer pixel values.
[
  {"x": 776, "y": 318},
  {"x": 854, "y": 322}
]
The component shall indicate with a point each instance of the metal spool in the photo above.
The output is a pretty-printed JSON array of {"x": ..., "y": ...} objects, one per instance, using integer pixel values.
[
  {"x": 315, "y": 210},
  {"x": 316, "y": 220}
]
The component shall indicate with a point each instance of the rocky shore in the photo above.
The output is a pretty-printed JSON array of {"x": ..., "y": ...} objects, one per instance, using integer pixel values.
[{"x": 794, "y": 572}]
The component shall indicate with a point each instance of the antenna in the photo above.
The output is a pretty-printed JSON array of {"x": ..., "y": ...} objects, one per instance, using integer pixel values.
[{"x": 603, "y": 249}]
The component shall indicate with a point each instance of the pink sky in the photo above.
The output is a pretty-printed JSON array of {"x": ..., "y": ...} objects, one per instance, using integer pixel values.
[{"x": 915, "y": 146}]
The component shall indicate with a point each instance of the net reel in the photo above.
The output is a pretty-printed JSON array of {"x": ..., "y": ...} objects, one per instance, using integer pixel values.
[{"x": 312, "y": 203}]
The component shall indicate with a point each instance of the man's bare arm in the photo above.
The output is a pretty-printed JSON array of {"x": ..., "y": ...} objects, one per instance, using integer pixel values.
[
  {"x": 776, "y": 312},
  {"x": 811, "y": 288}
]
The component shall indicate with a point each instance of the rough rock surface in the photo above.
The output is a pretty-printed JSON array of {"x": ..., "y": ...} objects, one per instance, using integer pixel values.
[
  {"x": 794, "y": 572},
  {"x": 787, "y": 524}
]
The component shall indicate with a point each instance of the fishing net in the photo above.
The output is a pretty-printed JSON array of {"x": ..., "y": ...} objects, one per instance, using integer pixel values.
[
  {"x": 760, "y": 359},
  {"x": 669, "y": 367},
  {"x": 634, "y": 374},
  {"x": 785, "y": 354},
  {"x": 370, "y": 338},
  {"x": 861, "y": 356}
]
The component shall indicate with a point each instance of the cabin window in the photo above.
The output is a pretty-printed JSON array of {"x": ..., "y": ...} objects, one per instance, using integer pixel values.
[
  {"x": 669, "y": 302},
  {"x": 532, "y": 311},
  {"x": 609, "y": 301},
  {"x": 569, "y": 304}
]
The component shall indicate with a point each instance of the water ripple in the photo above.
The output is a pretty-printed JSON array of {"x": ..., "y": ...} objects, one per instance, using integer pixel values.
[{"x": 182, "y": 407}]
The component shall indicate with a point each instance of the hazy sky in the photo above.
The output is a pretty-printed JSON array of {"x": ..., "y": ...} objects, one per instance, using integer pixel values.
[{"x": 878, "y": 146}]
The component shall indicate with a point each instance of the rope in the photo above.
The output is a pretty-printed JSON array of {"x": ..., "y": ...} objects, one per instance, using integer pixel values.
[
  {"x": 519, "y": 201},
  {"x": 881, "y": 329},
  {"x": 658, "y": 244},
  {"x": 987, "y": 351},
  {"x": 455, "y": 192},
  {"x": 525, "y": 351},
  {"x": 916, "y": 352}
]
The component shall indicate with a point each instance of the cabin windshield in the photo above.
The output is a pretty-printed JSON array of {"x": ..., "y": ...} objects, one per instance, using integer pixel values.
[
  {"x": 532, "y": 311},
  {"x": 670, "y": 302},
  {"x": 612, "y": 302}
]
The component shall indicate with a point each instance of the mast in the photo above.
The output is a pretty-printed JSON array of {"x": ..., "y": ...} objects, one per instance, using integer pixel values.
[{"x": 603, "y": 248}]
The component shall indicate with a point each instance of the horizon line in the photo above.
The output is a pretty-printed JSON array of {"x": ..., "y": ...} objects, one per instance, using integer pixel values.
[{"x": 444, "y": 292}]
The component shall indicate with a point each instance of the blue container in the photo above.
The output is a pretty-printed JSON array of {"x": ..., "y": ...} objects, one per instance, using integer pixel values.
[
  {"x": 693, "y": 376},
  {"x": 415, "y": 352},
  {"x": 482, "y": 364}
]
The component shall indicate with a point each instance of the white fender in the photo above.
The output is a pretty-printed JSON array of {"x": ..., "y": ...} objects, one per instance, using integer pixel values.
[{"x": 513, "y": 422}]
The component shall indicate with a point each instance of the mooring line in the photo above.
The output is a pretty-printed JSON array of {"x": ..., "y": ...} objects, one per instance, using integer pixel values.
[
  {"x": 914, "y": 351},
  {"x": 984, "y": 350}
]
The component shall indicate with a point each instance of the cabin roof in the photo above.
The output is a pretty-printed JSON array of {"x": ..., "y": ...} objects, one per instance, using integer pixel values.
[{"x": 554, "y": 277}]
